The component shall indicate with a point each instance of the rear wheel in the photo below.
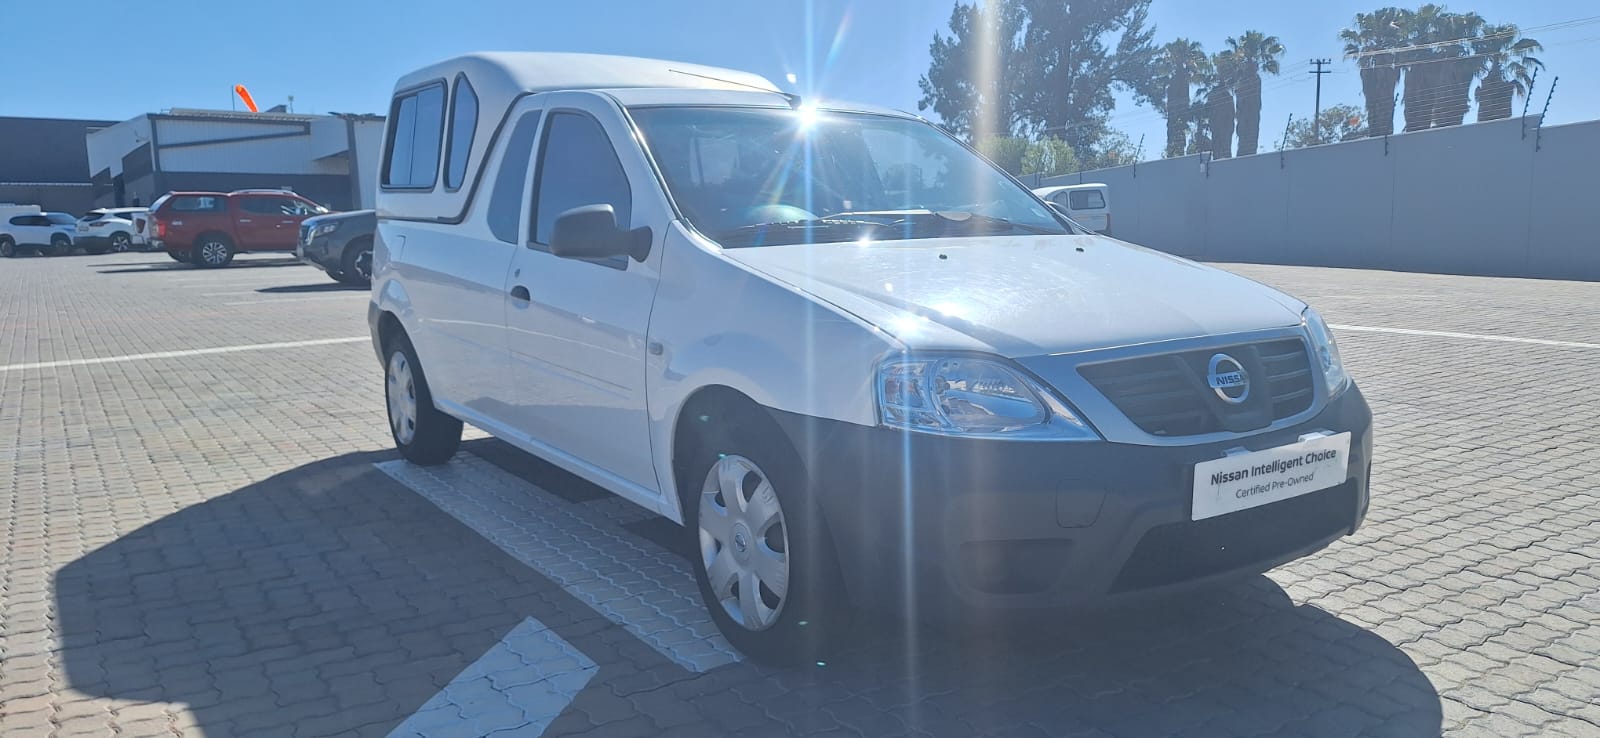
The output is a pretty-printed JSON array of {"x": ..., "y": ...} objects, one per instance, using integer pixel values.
[
  {"x": 767, "y": 569},
  {"x": 120, "y": 242},
  {"x": 212, "y": 251},
  {"x": 60, "y": 245},
  {"x": 422, "y": 433},
  {"x": 8, "y": 247}
]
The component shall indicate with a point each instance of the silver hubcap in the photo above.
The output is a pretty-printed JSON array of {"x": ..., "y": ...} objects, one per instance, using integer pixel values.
[
  {"x": 119, "y": 242},
  {"x": 402, "y": 394},
  {"x": 744, "y": 543},
  {"x": 213, "y": 252},
  {"x": 364, "y": 264}
]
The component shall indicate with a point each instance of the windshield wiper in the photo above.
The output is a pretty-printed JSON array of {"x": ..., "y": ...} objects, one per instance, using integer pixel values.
[
  {"x": 817, "y": 230},
  {"x": 946, "y": 218}
]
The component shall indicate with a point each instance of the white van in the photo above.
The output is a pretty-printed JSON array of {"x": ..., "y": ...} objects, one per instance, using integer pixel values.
[
  {"x": 858, "y": 363},
  {"x": 1088, "y": 204}
]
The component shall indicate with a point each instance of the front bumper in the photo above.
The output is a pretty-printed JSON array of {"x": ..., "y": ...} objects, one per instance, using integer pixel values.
[
  {"x": 319, "y": 252},
  {"x": 936, "y": 523}
]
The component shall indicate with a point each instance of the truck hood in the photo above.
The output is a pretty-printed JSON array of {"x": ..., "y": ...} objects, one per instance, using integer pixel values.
[{"x": 1020, "y": 296}]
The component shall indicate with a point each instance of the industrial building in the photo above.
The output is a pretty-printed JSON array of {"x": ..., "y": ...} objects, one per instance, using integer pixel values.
[
  {"x": 331, "y": 159},
  {"x": 43, "y": 162}
]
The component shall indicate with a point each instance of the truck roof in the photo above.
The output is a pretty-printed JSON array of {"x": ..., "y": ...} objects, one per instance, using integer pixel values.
[{"x": 497, "y": 73}]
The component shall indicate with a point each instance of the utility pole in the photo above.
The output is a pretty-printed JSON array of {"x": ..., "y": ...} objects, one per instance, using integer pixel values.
[{"x": 1316, "y": 113}]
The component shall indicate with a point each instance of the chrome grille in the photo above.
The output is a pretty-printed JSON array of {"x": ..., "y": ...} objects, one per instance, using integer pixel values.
[{"x": 1167, "y": 394}]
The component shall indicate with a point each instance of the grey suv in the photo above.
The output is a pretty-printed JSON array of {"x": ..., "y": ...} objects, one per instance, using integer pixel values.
[{"x": 339, "y": 244}]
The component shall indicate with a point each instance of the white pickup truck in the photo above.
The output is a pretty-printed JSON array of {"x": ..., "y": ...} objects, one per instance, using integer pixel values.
[{"x": 859, "y": 364}]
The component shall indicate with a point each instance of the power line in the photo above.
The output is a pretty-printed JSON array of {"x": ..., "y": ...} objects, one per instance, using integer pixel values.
[{"x": 1557, "y": 26}]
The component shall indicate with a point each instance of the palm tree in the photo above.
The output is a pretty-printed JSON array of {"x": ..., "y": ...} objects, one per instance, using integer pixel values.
[
  {"x": 1219, "y": 109},
  {"x": 1511, "y": 67},
  {"x": 1253, "y": 53},
  {"x": 1439, "y": 65},
  {"x": 1370, "y": 42},
  {"x": 1182, "y": 62}
]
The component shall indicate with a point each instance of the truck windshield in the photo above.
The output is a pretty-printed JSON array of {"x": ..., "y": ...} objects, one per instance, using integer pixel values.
[{"x": 762, "y": 177}]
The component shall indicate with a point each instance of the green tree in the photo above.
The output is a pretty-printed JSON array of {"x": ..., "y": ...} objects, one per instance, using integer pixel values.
[
  {"x": 1371, "y": 43},
  {"x": 1049, "y": 157},
  {"x": 1112, "y": 149},
  {"x": 1040, "y": 66},
  {"x": 1254, "y": 53},
  {"x": 1182, "y": 62},
  {"x": 1335, "y": 123},
  {"x": 972, "y": 81},
  {"x": 1439, "y": 65},
  {"x": 1511, "y": 65},
  {"x": 1019, "y": 156},
  {"x": 1219, "y": 104}
]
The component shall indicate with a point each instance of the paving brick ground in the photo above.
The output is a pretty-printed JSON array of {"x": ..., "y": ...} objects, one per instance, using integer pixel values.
[{"x": 205, "y": 545}]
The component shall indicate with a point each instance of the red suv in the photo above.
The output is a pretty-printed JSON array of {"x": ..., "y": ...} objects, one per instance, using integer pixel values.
[{"x": 208, "y": 228}]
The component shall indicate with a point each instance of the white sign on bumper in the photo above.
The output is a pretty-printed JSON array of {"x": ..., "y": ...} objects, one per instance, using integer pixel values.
[{"x": 1247, "y": 480}]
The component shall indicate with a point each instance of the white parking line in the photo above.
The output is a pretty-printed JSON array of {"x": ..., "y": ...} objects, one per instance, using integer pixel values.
[
  {"x": 184, "y": 353},
  {"x": 649, "y": 592},
  {"x": 312, "y": 298},
  {"x": 520, "y": 685},
  {"x": 1468, "y": 336}
]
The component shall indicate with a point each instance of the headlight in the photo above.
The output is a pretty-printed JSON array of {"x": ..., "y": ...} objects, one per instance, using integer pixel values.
[
  {"x": 971, "y": 396},
  {"x": 326, "y": 228},
  {"x": 1326, "y": 350}
]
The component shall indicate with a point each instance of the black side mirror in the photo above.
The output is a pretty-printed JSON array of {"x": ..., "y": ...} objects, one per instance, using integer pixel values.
[{"x": 591, "y": 232}]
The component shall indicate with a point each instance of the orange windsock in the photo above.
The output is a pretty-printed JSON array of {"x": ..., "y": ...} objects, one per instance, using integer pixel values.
[{"x": 244, "y": 95}]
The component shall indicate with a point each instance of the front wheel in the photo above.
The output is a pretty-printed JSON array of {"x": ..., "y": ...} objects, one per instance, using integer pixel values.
[
  {"x": 422, "y": 433},
  {"x": 356, "y": 264},
  {"x": 120, "y": 242},
  {"x": 765, "y": 564}
]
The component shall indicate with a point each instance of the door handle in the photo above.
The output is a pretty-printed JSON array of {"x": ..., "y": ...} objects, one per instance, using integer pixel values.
[
  {"x": 246, "y": 220},
  {"x": 521, "y": 294}
]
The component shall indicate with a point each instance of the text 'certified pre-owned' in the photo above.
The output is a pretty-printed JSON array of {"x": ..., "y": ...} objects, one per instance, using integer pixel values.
[{"x": 1248, "y": 480}]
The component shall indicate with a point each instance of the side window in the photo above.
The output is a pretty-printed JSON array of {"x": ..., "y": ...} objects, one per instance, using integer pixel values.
[
  {"x": 577, "y": 167},
  {"x": 191, "y": 204},
  {"x": 505, "y": 202},
  {"x": 19, "y": 220},
  {"x": 463, "y": 123},
  {"x": 1086, "y": 200},
  {"x": 263, "y": 205},
  {"x": 416, "y": 127}
]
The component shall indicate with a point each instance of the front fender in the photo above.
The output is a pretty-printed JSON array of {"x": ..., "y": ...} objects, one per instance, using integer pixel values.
[{"x": 719, "y": 324}]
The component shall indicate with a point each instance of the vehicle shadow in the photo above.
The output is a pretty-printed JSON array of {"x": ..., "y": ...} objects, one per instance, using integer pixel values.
[
  {"x": 329, "y": 599},
  {"x": 299, "y": 288},
  {"x": 174, "y": 266}
]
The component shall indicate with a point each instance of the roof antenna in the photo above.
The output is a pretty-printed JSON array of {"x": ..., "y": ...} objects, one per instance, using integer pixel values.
[{"x": 793, "y": 99}]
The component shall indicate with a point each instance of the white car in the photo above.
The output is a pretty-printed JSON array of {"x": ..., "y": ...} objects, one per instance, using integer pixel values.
[
  {"x": 1089, "y": 204},
  {"x": 858, "y": 363},
  {"x": 49, "y": 233},
  {"x": 109, "y": 229}
]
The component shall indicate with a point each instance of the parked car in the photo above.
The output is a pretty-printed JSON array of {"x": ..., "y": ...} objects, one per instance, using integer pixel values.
[
  {"x": 209, "y": 228},
  {"x": 108, "y": 229},
  {"x": 861, "y": 365},
  {"x": 37, "y": 232},
  {"x": 1089, "y": 204},
  {"x": 340, "y": 244}
]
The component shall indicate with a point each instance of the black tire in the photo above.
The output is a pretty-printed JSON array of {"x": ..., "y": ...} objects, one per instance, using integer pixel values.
[
  {"x": 814, "y": 610},
  {"x": 211, "y": 251},
  {"x": 434, "y": 435},
  {"x": 182, "y": 256},
  {"x": 60, "y": 245},
  {"x": 8, "y": 247},
  {"x": 355, "y": 267},
  {"x": 120, "y": 243}
]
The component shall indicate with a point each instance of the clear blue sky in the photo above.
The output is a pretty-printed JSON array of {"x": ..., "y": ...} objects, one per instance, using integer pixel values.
[{"x": 344, "y": 55}]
